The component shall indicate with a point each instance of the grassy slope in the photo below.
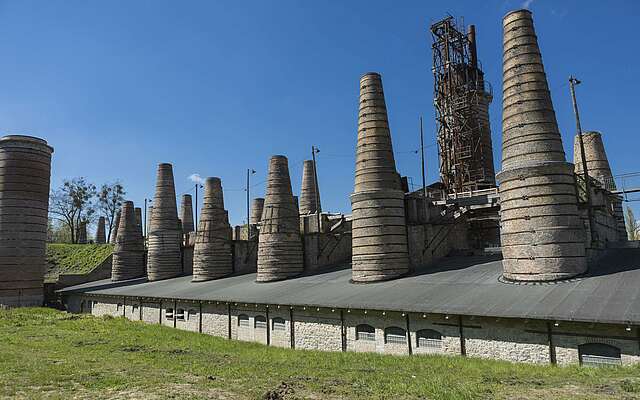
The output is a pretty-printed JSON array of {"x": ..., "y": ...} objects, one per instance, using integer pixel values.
[
  {"x": 74, "y": 258},
  {"x": 51, "y": 354}
]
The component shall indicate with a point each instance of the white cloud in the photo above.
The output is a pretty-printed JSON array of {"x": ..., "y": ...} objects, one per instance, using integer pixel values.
[
  {"x": 196, "y": 178},
  {"x": 526, "y": 3}
]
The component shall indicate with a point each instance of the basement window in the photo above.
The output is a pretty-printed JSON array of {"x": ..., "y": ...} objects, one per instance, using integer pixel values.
[
  {"x": 191, "y": 313},
  {"x": 180, "y": 314},
  {"x": 260, "y": 322},
  {"x": 243, "y": 320},
  {"x": 395, "y": 335},
  {"x": 365, "y": 332},
  {"x": 119, "y": 306},
  {"x": 279, "y": 324},
  {"x": 168, "y": 314},
  {"x": 598, "y": 355},
  {"x": 429, "y": 340}
]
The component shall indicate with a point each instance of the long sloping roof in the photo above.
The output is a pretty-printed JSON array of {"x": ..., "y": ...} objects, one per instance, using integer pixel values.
[{"x": 610, "y": 293}]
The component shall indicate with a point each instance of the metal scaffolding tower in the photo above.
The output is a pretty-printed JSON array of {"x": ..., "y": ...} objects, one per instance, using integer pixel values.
[{"x": 461, "y": 100}]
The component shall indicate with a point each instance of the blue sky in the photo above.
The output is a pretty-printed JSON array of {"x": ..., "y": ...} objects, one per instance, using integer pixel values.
[{"x": 218, "y": 87}]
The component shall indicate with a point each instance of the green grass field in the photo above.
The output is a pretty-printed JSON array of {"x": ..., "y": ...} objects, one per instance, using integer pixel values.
[
  {"x": 50, "y": 354},
  {"x": 74, "y": 258}
]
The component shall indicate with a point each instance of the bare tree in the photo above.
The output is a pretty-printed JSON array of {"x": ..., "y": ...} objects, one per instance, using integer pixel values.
[
  {"x": 73, "y": 203},
  {"x": 110, "y": 199},
  {"x": 633, "y": 227}
]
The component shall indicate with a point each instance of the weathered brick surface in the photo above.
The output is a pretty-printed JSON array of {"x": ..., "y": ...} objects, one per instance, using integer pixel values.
[
  {"x": 215, "y": 320},
  {"x": 318, "y": 330}
]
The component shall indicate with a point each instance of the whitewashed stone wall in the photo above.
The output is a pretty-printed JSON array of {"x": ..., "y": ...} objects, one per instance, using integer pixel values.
[
  {"x": 280, "y": 338},
  {"x": 215, "y": 319},
  {"x": 450, "y": 334},
  {"x": 132, "y": 309},
  {"x": 318, "y": 330},
  {"x": 506, "y": 339},
  {"x": 151, "y": 312},
  {"x": 191, "y": 319}
]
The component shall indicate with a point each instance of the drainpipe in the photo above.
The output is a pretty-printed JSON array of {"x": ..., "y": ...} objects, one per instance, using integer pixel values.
[
  {"x": 229, "y": 324},
  {"x": 200, "y": 317},
  {"x": 175, "y": 312}
]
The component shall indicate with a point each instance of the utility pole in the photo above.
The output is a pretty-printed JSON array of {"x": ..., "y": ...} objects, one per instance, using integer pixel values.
[
  {"x": 585, "y": 171},
  {"x": 424, "y": 179},
  {"x": 315, "y": 150},
  {"x": 249, "y": 173},
  {"x": 145, "y": 215}
]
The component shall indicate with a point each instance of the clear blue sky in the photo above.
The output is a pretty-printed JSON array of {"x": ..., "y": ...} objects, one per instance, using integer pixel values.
[{"x": 217, "y": 87}]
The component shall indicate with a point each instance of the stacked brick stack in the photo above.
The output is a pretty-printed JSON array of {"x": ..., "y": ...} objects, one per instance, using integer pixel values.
[
  {"x": 101, "y": 237},
  {"x": 280, "y": 245},
  {"x": 114, "y": 228},
  {"x": 599, "y": 169},
  {"x": 25, "y": 171},
  {"x": 81, "y": 235},
  {"x": 138, "y": 212},
  {"x": 309, "y": 195},
  {"x": 212, "y": 257},
  {"x": 256, "y": 210},
  {"x": 541, "y": 232},
  {"x": 128, "y": 253},
  {"x": 186, "y": 214},
  {"x": 165, "y": 234},
  {"x": 379, "y": 241}
]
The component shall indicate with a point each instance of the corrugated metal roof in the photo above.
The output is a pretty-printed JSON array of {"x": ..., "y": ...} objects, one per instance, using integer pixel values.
[{"x": 610, "y": 293}]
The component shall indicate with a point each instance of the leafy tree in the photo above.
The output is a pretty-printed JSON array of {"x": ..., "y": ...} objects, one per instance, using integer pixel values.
[
  {"x": 110, "y": 199},
  {"x": 633, "y": 227},
  {"x": 57, "y": 232},
  {"x": 72, "y": 203}
]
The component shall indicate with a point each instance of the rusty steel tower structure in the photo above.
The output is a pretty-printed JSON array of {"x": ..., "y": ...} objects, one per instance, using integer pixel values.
[{"x": 461, "y": 100}]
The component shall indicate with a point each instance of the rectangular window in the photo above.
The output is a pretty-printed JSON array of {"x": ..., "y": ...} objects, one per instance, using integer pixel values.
[
  {"x": 430, "y": 344},
  {"x": 260, "y": 324},
  {"x": 180, "y": 314},
  {"x": 169, "y": 313},
  {"x": 279, "y": 325},
  {"x": 368, "y": 336},
  {"x": 396, "y": 339},
  {"x": 597, "y": 361}
]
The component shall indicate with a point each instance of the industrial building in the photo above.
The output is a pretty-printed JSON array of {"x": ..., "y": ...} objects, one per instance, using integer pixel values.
[{"x": 533, "y": 269}]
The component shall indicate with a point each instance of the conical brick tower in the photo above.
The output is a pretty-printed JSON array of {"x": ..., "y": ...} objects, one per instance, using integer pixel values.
[
  {"x": 599, "y": 169},
  {"x": 212, "y": 257},
  {"x": 25, "y": 171},
  {"x": 309, "y": 195},
  {"x": 128, "y": 253},
  {"x": 138, "y": 212},
  {"x": 186, "y": 214},
  {"x": 101, "y": 237},
  {"x": 257, "y": 206},
  {"x": 280, "y": 245},
  {"x": 81, "y": 236},
  {"x": 379, "y": 241},
  {"x": 114, "y": 228},
  {"x": 165, "y": 235},
  {"x": 541, "y": 232}
]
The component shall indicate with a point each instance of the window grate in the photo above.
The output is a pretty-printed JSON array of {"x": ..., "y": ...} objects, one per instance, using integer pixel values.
[
  {"x": 396, "y": 339},
  {"x": 168, "y": 314},
  {"x": 599, "y": 361},
  {"x": 430, "y": 344},
  {"x": 260, "y": 323},
  {"x": 366, "y": 336},
  {"x": 180, "y": 314},
  {"x": 243, "y": 320},
  {"x": 279, "y": 324}
]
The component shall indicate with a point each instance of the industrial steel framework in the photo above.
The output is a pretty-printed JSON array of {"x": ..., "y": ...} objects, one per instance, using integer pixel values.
[{"x": 461, "y": 100}]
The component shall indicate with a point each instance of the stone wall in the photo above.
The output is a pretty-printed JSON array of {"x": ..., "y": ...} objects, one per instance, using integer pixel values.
[
  {"x": 516, "y": 340},
  {"x": 245, "y": 256}
]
